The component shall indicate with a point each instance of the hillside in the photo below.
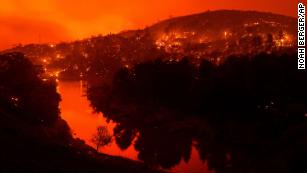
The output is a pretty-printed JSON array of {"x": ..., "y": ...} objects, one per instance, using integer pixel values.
[
  {"x": 211, "y": 35},
  {"x": 219, "y": 21}
]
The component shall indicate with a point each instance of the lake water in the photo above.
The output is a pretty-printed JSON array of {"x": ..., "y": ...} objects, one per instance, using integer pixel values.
[{"x": 76, "y": 110}]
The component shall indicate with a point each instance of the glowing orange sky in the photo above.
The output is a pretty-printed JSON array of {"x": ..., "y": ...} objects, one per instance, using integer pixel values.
[{"x": 26, "y": 21}]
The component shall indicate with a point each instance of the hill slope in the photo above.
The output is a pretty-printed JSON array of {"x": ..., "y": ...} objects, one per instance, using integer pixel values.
[{"x": 211, "y": 35}]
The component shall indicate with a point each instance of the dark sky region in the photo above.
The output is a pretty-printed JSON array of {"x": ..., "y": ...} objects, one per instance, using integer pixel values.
[{"x": 27, "y": 21}]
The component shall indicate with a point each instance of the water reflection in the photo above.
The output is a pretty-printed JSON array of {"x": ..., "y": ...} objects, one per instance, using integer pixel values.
[
  {"x": 76, "y": 110},
  {"x": 172, "y": 145},
  {"x": 176, "y": 152},
  {"x": 241, "y": 116}
]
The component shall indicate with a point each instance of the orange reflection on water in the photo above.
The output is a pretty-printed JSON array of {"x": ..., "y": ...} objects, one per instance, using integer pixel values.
[
  {"x": 195, "y": 165},
  {"x": 77, "y": 112}
]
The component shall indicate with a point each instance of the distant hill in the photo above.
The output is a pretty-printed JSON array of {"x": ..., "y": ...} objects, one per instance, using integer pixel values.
[
  {"x": 211, "y": 35},
  {"x": 214, "y": 22}
]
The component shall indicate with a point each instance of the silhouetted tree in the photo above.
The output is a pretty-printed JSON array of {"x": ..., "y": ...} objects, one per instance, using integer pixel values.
[{"x": 102, "y": 137}]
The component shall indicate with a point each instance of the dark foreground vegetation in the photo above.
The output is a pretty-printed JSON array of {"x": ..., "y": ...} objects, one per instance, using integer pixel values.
[
  {"x": 34, "y": 138},
  {"x": 248, "y": 114}
]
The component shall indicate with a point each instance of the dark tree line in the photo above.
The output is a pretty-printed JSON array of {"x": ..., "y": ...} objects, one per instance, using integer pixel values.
[
  {"x": 247, "y": 114},
  {"x": 26, "y": 99}
]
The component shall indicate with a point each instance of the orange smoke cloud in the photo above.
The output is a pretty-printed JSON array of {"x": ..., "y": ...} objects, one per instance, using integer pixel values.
[{"x": 14, "y": 30}]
